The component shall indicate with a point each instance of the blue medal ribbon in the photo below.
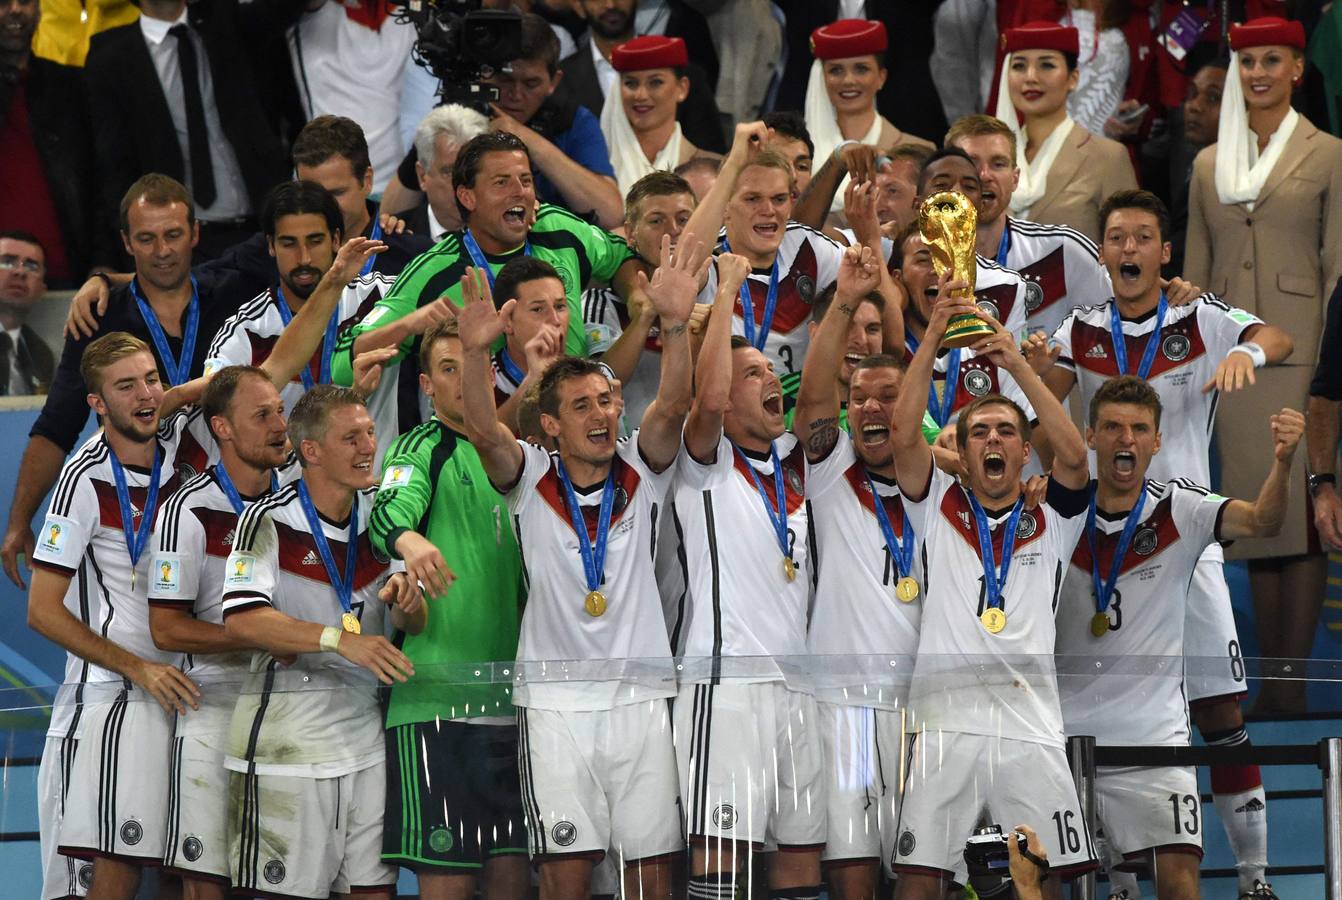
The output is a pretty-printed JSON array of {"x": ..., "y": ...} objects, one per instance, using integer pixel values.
[
  {"x": 510, "y": 368},
  {"x": 1004, "y": 245},
  {"x": 593, "y": 555},
  {"x": 779, "y": 518},
  {"x": 478, "y": 256},
  {"x": 940, "y": 409},
  {"x": 343, "y": 583},
  {"x": 328, "y": 341},
  {"x": 1104, "y": 590},
  {"x": 757, "y": 340},
  {"x": 901, "y": 553},
  {"x": 994, "y": 578},
  {"x": 231, "y": 492},
  {"x": 179, "y": 370},
  {"x": 136, "y": 539},
  {"x": 374, "y": 235},
  {"x": 1152, "y": 340}
]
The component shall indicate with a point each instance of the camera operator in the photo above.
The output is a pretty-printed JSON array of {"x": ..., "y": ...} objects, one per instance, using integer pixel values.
[{"x": 563, "y": 138}]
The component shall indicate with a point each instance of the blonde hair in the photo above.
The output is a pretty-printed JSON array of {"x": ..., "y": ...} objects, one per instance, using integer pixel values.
[
  {"x": 979, "y": 125},
  {"x": 105, "y": 351},
  {"x": 770, "y": 159}
]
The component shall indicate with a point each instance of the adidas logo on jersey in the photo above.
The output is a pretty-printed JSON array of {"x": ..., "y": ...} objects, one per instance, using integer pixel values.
[
  {"x": 228, "y": 538},
  {"x": 1253, "y": 806},
  {"x": 311, "y": 559},
  {"x": 1097, "y": 352}
]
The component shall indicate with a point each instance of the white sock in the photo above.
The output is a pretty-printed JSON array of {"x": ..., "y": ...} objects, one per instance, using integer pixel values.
[
  {"x": 1124, "y": 886},
  {"x": 1244, "y": 816}
]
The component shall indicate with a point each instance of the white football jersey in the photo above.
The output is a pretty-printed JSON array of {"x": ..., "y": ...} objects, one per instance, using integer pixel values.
[
  {"x": 82, "y": 537},
  {"x": 1193, "y": 341},
  {"x": 966, "y": 679},
  {"x": 1061, "y": 268},
  {"x": 1001, "y": 293},
  {"x": 856, "y": 614},
  {"x": 738, "y": 601},
  {"x": 567, "y": 658},
  {"x": 317, "y": 717},
  {"x": 1135, "y": 695},
  {"x": 605, "y": 316},
  {"x": 808, "y": 262}
]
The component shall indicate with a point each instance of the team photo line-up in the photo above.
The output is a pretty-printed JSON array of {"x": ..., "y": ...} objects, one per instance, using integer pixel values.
[{"x": 795, "y": 522}]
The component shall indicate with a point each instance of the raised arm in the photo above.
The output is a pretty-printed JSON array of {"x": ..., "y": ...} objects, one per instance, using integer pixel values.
[
  {"x": 859, "y": 206},
  {"x": 859, "y": 160},
  {"x": 671, "y": 292},
  {"x": 713, "y": 370},
  {"x": 816, "y": 421},
  {"x": 708, "y": 215},
  {"x": 1264, "y": 516},
  {"x": 480, "y": 325}
]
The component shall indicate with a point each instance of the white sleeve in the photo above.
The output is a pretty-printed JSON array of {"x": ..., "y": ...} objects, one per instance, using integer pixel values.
[
  {"x": 68, "y": 526},
  {"x": 1062, "y": 339},
  {"x": 660, "y": 482},
  {"x": 920, "y": 511},
  {"x": 828, "y": 258},
  {"x": 230, "y": 346},
  {"x": 1222, "y": 326},
  {"x": 601, "y": 319},
  {"x": 710, "y": 288},
  {"x": 179, "y": 555},
  {"x": 535, "y": 464},
  {"x": 252, "y": 569},
  {"x": 824, "y": 475},
  {"x": 1197, "y": 511},
  {"x": 700, "y": 476}
]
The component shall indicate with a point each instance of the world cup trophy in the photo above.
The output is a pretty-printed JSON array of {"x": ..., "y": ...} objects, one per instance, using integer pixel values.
[{"x": 949, "y": 224}]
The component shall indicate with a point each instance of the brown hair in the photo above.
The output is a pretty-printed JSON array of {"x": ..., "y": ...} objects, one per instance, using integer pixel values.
[
  {"x": 881, "y": 361},
  {"x": 979, "y": 125},
  {"x": 529, "y": 418},
  {"x": 914, "y": 154},
  {"x": 218, "y": 394},
  {"x": 442, "y": 331},
  {"x": 1125, "y": 389},
  {"x": 566, "y": 368},
  {"x": 1136, "y": 199},
  {"x": 106, "y": 350},
  {"x": 156, "y": 189},
  {"x": 962, "y": 423},
  {"x": 328, "y": 136},
  {"x": 654, "y": 184},
  {"x": 307, "y": 422}
]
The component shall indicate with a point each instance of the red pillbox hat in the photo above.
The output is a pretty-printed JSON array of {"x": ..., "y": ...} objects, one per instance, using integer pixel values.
[
  {"x": 1267, "y": 31},
  {"x": 849, "y": 37},
  {"x": 1041, "y": 36},
  {"x": 650, "y": 51}
]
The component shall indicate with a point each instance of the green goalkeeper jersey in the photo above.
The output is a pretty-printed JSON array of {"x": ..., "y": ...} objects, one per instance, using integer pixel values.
[{"x": 433, "y": 483}]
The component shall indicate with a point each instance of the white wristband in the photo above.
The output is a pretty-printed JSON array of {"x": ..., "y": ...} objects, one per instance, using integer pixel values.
[
  {"x": 330, "y": 639},
  {"x": 1254, "y": 352}
]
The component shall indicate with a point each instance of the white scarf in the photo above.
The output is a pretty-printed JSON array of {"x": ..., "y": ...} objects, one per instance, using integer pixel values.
[
  {"x": 1240, "y": 172},
  {"x": 1033, "y": 175},
  {"x": 626, "y": 154},
  {"x": 822, "y": 121}
]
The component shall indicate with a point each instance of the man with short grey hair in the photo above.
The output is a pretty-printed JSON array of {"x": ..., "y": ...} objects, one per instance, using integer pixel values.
[{"x": 440, "y": 134}]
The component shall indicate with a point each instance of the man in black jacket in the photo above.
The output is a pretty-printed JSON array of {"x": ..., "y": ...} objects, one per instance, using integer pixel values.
[
  {"x": 46, "y": 178},
  {"x": 173, "y": 93}
]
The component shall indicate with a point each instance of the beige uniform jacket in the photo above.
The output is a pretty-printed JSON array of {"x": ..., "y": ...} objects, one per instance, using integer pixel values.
[{"x": 1085, "y": 172}]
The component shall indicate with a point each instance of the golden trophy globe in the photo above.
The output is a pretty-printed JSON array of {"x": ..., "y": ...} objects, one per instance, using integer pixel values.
[{"x": 949, "y": 224}]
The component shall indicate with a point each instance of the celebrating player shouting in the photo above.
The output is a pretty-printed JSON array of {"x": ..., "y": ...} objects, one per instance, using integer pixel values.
[
  {"x": 984, "y": 696},
  {"x": 1124, "y": 597},
  {"x": 596, "y": 759}
]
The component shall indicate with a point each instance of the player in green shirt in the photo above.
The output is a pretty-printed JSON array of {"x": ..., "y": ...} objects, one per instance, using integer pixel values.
[{"x": 453, "y": 804}]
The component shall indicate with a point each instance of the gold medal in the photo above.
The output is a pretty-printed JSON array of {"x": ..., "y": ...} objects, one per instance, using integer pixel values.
[
  {"x": 1099, "y": 625},
  {"x": 350, "y": 622},
  {"x": 595, "y": 604},
  {"x": 789, "y": 569},
  {"x": 906, "y": 589},
  {"x": 993, "y": 619}
]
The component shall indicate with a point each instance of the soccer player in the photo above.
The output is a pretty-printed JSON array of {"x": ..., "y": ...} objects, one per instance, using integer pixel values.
[
  {"x": 865, "y": 609},
  {"x": 984, "y": 699},
  {"x": 454, "y": 802},
  {"x": 596, "y": 758},
  {"x": 1189, "y": 354},
  {"x": 747, "y": 742},
  {"x": 306, "y": 744},
  {"x": 1060, "y": 265},
  {"x": 108, "y": 746},
  {"x": 1123, "y": 597},
  {"x": 191, "y": 542},
  {"x": 864, "y": 338}
]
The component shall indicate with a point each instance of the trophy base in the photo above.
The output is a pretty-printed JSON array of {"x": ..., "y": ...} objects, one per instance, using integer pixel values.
[{"x": 965, "y": 331}]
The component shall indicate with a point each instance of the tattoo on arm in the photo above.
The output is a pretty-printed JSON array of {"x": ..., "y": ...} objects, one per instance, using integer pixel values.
[
  {"x": 846, "y": 309},
  {"x": 675, "y": 330},
  {"x": 824, "y": 435}
]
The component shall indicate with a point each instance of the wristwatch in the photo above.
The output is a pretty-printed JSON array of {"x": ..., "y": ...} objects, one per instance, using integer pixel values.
[{"x": 1319, "y": 479}]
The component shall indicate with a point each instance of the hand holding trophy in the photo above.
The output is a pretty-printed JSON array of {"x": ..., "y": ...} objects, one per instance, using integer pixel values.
[{"x": 949, "y": 222}]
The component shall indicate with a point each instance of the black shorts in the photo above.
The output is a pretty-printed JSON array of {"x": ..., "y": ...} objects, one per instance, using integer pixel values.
[{"x": 453, "y": 796}]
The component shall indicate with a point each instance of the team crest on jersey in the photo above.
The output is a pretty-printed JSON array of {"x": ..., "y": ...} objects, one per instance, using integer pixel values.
[
  {"x": 131, "y": 832},
  {"x": 806, "y": 287},
  {"x": 907, "y": 842},
  {"x": 1175, "y": 347},
  {"x": 397, "y": 476},
  {"x": 1034, "y": 295},
  {"x": 86, "y": 875},
  {"x": 185, "y": 472},
  {"x": 241, "y": 570},
  {"x": 987, "y": 307},
  {"x": 53, "y": 537},
  {"x": 274, "y": 871},
  {"x": 793, "y": 479},
  {"x": 167, "y": 574},
  {"x": 977, "y": 382},
  {"x": 620, "y": 500},
  {"x": 192, "y": 848},
  {"x": 1026, "y": 527},
  {"x": 1144, "y": 543},
  {"x": 440, "y": 840},
  {"x": 564, "y": 833},
  {"x": 724, "y": 816}
]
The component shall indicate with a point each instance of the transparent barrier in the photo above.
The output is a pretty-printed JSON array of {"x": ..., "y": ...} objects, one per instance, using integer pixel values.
[{"x": 868, "y": 774}]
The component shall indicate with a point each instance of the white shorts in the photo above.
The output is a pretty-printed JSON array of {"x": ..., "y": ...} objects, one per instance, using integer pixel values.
[
  {"x": 1213, "y": 662},
  {"x": 598, "y": 780},
  {"x": 197, "y": 843},
  {"x": 290, "y": 836},
  {"x": 116, "y": 802},
  {"x": 750, "y": 759},
  {"x": 955, "y": 779},
  {"x": 864, "y": 760},
  {"x": 62, "y": 876},
  {"x": 1149, "y": 809}
]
